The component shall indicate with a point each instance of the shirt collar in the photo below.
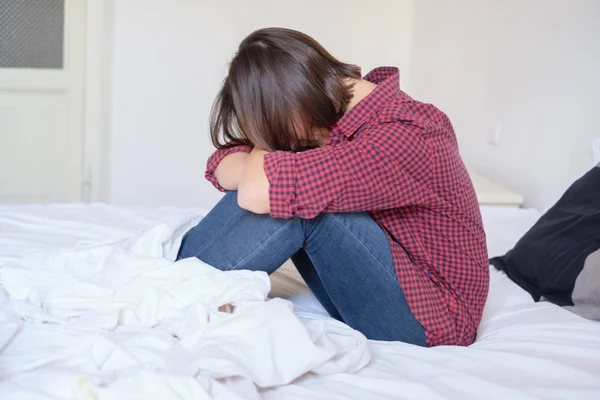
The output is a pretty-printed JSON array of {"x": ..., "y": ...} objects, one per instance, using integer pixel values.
[{"x": 387, "y": 80}]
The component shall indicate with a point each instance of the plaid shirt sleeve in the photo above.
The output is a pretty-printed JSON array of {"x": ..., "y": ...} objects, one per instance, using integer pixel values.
[
  {"x": 360, "y": 175},
  {"x": 216, "y": 158}
]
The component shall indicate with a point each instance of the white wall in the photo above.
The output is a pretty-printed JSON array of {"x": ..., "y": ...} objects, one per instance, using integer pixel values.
[
  {"x": 170, "y": 57},
  {"x": 531, "y": 65}
]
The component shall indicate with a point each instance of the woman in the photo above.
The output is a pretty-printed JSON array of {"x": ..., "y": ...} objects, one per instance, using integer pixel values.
[{"x": 360, "y": 185}]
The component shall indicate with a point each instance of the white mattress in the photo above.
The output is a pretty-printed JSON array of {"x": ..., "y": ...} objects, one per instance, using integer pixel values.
[{"x": 92, "y": 307}]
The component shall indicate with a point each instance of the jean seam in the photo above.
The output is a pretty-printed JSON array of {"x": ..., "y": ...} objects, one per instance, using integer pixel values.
[
  {"x": 214, "y": 237},
  {"x": 261, "y": 245},
  {"x": 393, "y": 276}
]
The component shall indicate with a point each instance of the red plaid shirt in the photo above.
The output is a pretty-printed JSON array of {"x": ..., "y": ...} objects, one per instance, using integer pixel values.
[{"x": 398, "y": 159}]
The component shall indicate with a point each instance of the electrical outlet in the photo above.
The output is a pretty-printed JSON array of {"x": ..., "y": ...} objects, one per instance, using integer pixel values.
[{"x": 596, "y": 151}]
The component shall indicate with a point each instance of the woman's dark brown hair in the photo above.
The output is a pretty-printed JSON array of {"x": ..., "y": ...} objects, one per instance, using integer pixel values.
[{"x": 281, "y": 85}]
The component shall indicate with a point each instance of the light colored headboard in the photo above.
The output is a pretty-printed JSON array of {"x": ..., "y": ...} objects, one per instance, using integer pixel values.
[{"x": 491, "y": 193}]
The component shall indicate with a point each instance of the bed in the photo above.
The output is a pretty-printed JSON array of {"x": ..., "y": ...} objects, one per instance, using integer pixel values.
[{"x": 92, "y": 307}]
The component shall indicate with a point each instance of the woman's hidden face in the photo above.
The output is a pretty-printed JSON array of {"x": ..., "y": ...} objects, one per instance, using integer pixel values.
[{"x": 307, "y": 137}]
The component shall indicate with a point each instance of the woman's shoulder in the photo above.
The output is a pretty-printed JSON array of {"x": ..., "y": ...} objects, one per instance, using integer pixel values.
[{"x": 404, "y": 110}]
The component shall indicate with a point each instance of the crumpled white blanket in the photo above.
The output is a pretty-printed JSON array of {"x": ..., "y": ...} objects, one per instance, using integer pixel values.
[{"x": 121, "y": 320}]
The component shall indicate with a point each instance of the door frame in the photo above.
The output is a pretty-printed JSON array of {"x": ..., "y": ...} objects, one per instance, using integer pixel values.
[{"x": 97, "y": 126}]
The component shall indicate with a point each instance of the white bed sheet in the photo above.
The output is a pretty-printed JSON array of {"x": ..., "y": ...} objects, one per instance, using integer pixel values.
[{"x": 86, "y": 337}]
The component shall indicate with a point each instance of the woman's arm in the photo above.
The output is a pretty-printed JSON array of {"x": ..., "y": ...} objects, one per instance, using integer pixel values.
[
  {"x": 241, "y": 168},
  {"x": 370, "y": 173},
  {"x": 228, "y": 162},
  {"x": 253, "y": 188},
  {"x": 361, "y": 175},
  {"x": 229, "y": 170}
]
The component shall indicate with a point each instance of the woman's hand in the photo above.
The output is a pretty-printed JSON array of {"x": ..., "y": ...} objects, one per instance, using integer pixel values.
[{"x": 253, "y": 188}]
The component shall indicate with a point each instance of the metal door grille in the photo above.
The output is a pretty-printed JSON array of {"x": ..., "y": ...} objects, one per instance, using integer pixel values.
[{"x": 31, "y": 33}]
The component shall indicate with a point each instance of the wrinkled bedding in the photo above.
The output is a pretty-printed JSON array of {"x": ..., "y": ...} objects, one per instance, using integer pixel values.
[{"x": 93, "y": 306}]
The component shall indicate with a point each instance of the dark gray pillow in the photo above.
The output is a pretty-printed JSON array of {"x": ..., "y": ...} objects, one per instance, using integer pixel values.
[{"x": 559, "y": 257}]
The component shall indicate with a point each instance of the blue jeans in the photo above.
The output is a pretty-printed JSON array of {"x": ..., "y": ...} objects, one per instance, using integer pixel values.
[{"x": 345, "y": 260}]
